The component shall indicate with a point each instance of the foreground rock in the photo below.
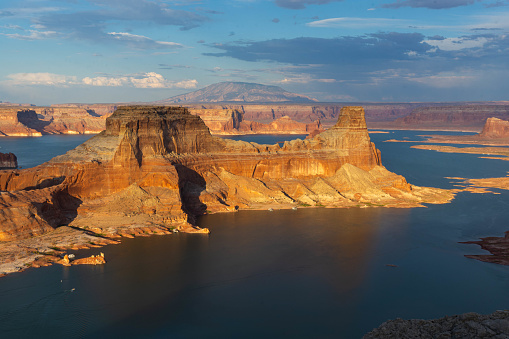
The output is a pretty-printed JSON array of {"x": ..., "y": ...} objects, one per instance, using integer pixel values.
[
  {"x": 468, "y": 325},
  {"x": 160, "y": 167}
]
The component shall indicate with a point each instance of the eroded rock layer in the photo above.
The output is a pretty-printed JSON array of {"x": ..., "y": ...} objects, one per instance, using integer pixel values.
[
  {"x": 161, "y": 166},
  {"x": 37, "y": 121}
]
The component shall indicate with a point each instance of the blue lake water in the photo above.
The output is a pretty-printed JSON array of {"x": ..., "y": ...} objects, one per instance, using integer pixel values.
[
  {"x": 310, "y": 273},
  {"x": 34, "y": 151}
]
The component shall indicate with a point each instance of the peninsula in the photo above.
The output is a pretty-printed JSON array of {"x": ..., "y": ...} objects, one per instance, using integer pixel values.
[{"x": 154, "y": 169}]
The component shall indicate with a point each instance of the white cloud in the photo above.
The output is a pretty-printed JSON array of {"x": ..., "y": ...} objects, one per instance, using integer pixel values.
[
  {"x": 33, "y": 35},
  {"x": 347, "y": 22},
  {"x": 140, "y": 41},
  {"x": 456, "y": 44},
  {"x": 143, "y": 80},
  {"x": 49, "y": 79}
]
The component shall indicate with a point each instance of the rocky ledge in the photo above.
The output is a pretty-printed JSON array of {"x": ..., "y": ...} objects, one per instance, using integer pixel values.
[
  {"x": 468, "y": 325},
  {"x": 159, "y": 167}
]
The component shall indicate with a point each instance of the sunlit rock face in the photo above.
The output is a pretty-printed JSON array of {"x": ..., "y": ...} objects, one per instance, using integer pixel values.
[
  {"x": 495, "y": 128},
  {"x": 38, "y": 121},
  {"x": 161, "y": 166}
]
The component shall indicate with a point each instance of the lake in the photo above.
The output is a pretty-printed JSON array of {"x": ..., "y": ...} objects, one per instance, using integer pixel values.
[{"x": 310, "y": 273}]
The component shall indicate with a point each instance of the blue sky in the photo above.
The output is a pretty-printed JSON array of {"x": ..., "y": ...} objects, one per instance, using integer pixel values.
[{"x": 91, "y": 51}]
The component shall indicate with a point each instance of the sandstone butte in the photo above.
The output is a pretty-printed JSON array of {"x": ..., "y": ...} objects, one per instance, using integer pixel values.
[
  {"x": 495, "y": 128},
  {"x": 156, "y": 168}
]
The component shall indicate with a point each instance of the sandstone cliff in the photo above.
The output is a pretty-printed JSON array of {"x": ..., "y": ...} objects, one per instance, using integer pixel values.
[
  {"x": 158, "y": 166},
  {"x": 37, "y": 121},
  {"x": 495, "y": 128},
  {"x": 11, "y": 122},
  {"x": 452, "y": 117},
  {"x": 225, "y": 121}
]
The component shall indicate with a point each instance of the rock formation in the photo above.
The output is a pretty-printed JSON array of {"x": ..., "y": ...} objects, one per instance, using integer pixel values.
[
  {"x": 223, "y": 121},
  {"x": 452, "y": 117},
  {"x": 468, "y": 325},
  {"x": 37, "y": 121},
  {"x": 8, "y": 160},
  {"x": 11, "y": 122},
  {"x": 495, "y": 128},
  {"x": 156, "y": 166}
]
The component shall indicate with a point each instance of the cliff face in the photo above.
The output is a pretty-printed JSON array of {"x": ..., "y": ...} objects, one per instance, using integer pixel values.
[
  {"x": 471, "y": 117},
  {"x": 12, "y": 122},
  {"x": 225, "y": 121},
  {"x": 161, "y": 166},
  {"x": 37, "y": 121},
  {"x": 495, "y": 128}
]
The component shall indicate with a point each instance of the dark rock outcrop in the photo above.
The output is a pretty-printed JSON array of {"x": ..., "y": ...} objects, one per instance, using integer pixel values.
[
  {"x": 468, "y": 325},
  {"x": 8, "y": 161}
]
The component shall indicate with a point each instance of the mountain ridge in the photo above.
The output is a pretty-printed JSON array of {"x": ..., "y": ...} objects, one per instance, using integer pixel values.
[{"x": 230, "y": 91}]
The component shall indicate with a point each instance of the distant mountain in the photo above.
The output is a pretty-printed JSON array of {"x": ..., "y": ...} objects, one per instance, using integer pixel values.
[{"x": 238, "y": 92}]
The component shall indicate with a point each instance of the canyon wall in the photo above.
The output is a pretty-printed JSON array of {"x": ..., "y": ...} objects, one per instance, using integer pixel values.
[
  {"x": 160, "y": 166},
  {"x": 454, "y": 117},
  {"x": 36, "y": 121},
  {"x": 227, "y": 121},
  {"x": 233, "y": 119}
]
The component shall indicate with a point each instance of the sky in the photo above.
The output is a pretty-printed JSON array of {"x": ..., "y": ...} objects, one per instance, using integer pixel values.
[{"x": 107, "y": 51}]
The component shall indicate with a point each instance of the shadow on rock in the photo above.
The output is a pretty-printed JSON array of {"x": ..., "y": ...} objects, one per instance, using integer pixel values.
[
  {"x": 60, "y": 209},
  {"x": 191, "y": 185}
]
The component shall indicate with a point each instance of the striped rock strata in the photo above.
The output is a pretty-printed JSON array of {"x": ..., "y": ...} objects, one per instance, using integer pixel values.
[{"x": 161, "y": 166}]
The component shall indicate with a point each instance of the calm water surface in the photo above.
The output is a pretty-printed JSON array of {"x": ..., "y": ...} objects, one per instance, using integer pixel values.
[
  {"x": 34, "y": 151},
  {"x": 310, "y": 273}
]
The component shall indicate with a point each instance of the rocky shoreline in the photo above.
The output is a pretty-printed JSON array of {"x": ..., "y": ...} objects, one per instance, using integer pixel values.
[{"x": 468, "y": 325}]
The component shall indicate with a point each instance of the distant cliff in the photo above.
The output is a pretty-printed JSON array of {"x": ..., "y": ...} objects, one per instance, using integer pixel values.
[
  {"x": 226, "y": 121},
  {"x": 495, "y": 128},
  {"x": 468, "y": 117},
  {"x": 37, "y": 121},
  {"x": 160, "y": 166},
  {"x": 237, "y": 92}
]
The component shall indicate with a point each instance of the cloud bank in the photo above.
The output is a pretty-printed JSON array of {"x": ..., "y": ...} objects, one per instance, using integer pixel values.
[{"x": 143, "y": 80}]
